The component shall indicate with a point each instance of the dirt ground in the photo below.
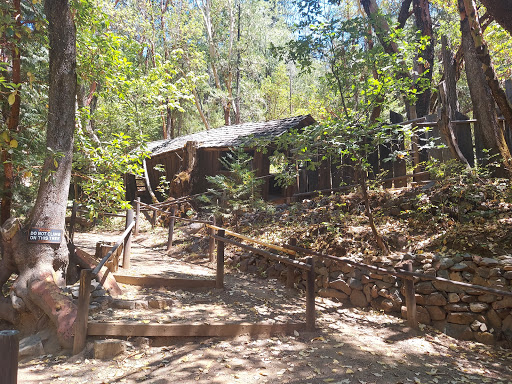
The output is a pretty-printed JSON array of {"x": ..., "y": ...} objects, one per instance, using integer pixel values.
[{"x": 350, "y": 346}]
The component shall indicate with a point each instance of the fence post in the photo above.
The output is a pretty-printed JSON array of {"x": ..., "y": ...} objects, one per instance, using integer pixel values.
[
  {"x": 290, "y": 272},
  {"x": 153, "y": 219},
  {"x": 72, "y": 221},
  {"x": 219, "y": 282},
  {"x": 9, "y": 346},
  {"x": 82, "y": 316},
  {"x": 127, "y": 251},
  {"x": 171, "y": 227},
  {"x": 211, "y": 241},
  {"x": 410, "y": 298},
  {"x": 310, "y": 295},
  {"x": 137, "y": 215}
]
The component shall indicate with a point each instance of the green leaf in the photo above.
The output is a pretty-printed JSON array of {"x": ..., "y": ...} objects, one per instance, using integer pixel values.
[{"x": 12, "y": 98}]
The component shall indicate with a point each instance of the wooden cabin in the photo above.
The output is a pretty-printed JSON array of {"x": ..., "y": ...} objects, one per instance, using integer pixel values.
[{"x": 187, "y": 160}]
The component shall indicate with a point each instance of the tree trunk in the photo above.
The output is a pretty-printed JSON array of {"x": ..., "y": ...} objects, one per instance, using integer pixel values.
[
  {"x": 488, "y": 129},
  {"x": 501, "y": 11},
  {"x": 41, "y": 267},
  {"x": 13, "y": 118}
]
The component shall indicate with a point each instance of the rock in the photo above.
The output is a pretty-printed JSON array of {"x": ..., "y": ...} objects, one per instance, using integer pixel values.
[
  {"x": 506, "y": 325},
  {"x": 458, "y": 331},
  {"x": 341, "y": 285},
  {"x": 358, "y": 298},
  {"x": 98, "y": 293},
  {"x": 447, "y": 287},
  {"x": 376, "y": 276},
  {"x": 494, "y": 272},
  {"x": 31, "y": 346},
  {"x": 498, "y": 282},
  {"x": 508, "y": 275},
  {"x": 332, "y": 293},
  {"x": 468, "y": 298},
  {"x": 487, "y": 298},
  {"x": 389, "y": 279},
  {"x": 453, "y": 298},
  {"x": 475, "y": 325},
  {"x": 129, "y": 304},
  {"x": 456, "y": 276},
  {"x": 425, "y": 288},
  {"x": 446, "y": 263},
  {"x": 457, "y": 307},
  {"x": 382, "y": 284},
  {"x": 159, "y": 303},
  {"x": 505, "y": 303},
  {"x": 445, "y": 274},
  {"x": 485, "y": 338},
  {"x": 488, "y": 262},
  {"x": 494, "y": 320},
  {"x": 382, "y": 304},
  {"x": 420, "y": 299},
  {"x": 107, "y": 349},
  {"x": 435, "y": 298},
  {"x": 483, "y": 272},
  {"x": 478, "y": 307},
  {"x": 436, "y": 313},
  {"x": 459, "y": 267},
  {"x": 478, "y": 280},
  {"x": 374, "y": 292},
  {"x": 355, "y": 284},
  {"x": 461, "y": 317}
]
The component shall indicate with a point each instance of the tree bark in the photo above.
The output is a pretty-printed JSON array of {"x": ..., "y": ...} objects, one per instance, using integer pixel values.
[
  {"x": 501, "y": 11},
  {"x": 13, "y": 117},
  {"x": 41, "y": 268},
  {"x": 488, "y": 130}
]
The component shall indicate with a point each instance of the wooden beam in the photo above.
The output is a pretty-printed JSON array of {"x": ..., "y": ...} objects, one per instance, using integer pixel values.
[
  {"x": 192, "y": 330},
  {"x": 156, "y": 282}
]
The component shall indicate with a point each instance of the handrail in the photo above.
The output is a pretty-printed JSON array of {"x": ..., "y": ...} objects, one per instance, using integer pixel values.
[
  {"x": 296, "y": 263},
  {"x": 271, "y": 246},
  {"x": 168, "y": 214},
  {"x": 96, "y": 270}
]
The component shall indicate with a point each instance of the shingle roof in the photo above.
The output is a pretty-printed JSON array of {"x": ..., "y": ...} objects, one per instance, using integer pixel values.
[{"x": 231, "y": 135}]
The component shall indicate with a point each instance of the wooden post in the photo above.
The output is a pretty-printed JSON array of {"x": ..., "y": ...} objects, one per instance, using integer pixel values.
[
  {"x": 211, "y": 241},
  {"x": 137, "y": 215},
  {"x": 310, "y": 296},
  {"x": 219, "y": 282},
  {"x": 82, "y": 316},
  {"x": 9, "y": 346},
  {"x": 410, "y": 299},
  {"x": 153, "y": 219},
  {"x": 290, "y": 273},
  {"x": 127, "y": 251},
  {"x": 171, "y": 228},
  {"x": 72, "y": 221}
]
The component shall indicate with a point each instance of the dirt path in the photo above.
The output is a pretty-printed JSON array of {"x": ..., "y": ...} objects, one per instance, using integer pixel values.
[{"x": 351, "y": 346}]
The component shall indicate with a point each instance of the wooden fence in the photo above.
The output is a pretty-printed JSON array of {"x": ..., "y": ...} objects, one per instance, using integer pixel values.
[{"x": 221, "y": 236}]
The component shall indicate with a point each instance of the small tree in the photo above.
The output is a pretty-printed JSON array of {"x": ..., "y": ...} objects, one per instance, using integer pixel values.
[{"x": 235, "y": 192}]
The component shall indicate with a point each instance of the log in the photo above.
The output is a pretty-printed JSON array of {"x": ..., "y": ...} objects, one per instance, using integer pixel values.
[
  {"x": 105, "y": 278},
  {"x": 82, "y": 316}
]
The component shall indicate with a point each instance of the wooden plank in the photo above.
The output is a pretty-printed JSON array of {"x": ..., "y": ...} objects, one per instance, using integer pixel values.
[
  {"x": 127, "y": 249},
  {"x": 157, "y": 282},
  {"x": 171, "y": 228},
  {"x": 191, "y": 330}
]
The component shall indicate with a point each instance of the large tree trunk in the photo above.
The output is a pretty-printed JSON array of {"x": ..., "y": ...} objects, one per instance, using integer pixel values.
[
  {"x": 41, "y": 267},
  {"x": 501, "y": 11},
  {"x": 13, "y": 117},
  {"x": 488, "y": 129}
]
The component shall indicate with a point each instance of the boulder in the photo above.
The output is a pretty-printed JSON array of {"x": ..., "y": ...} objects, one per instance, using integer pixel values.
[
  {"x": 107, "y": 349},
  {"x": 494, "y": 320},
  {"x": 341, "y": 285},
  {"x": 463, "y": 318},
  {"x": 332, "y": 293},
  {"x": 425, "y": 288},
  {"x": 435, "y": 298},
  {"x": 478, "y": 307},
  {"x": 358, "y": 298},
  {"x": 436, "y": 313},
  {"x": 30, "y": 347},
  {"x": 459, "y": 331}
]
